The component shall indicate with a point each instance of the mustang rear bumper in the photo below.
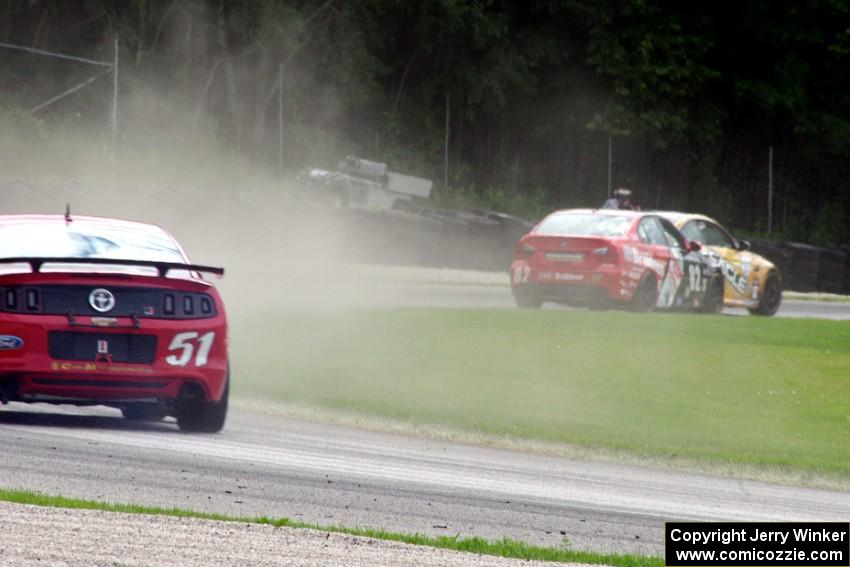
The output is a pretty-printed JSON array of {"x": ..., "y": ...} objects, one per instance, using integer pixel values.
[{"x": 103, "y": 366}]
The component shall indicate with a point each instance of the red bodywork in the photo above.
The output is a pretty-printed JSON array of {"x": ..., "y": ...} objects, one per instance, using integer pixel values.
[
  {"x": 587, "y": 270},
  {"x": 95, "y": 358}
]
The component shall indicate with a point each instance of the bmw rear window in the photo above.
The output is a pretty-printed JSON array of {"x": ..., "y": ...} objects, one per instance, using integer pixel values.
[{"x": 584, "y": 224}]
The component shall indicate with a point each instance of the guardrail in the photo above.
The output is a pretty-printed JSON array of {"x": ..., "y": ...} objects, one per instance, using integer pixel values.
[
  {"x": 484, "y": 240},
  {"x": 808, "y": 268}
]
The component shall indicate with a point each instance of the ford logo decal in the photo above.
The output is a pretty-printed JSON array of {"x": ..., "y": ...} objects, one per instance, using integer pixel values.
[{"x": 10, "y": 342}]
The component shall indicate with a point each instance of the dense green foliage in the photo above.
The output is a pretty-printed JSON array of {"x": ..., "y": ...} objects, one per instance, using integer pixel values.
[{"x": 692, "y": 98}]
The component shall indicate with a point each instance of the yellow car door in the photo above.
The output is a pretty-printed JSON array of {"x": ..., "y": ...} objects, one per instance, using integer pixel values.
[{"x": 736, "y": 263}]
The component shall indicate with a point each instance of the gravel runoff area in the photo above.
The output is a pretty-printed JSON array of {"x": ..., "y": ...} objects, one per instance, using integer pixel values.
[{"x": 58, "y": 537}]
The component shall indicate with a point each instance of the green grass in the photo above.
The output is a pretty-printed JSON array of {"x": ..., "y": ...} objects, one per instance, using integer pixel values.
[
  {"x": 734, "y": 391},
  {"x": 502, "y": 548}
]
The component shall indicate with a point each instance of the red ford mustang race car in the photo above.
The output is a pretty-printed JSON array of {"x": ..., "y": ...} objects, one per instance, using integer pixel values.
[
  {"x": 110, "y": 312},
  {"x": 608, "y": 258}
]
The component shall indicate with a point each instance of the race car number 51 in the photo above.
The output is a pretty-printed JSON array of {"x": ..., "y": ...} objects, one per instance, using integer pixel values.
[{"x": 185, "y": 344}]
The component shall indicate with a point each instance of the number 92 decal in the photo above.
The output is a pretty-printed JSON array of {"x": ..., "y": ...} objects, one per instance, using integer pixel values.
[{"x": 183, "y": 348}]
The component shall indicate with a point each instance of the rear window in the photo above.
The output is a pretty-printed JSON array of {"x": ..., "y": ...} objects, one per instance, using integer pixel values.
[
  {"x": 584, "y": 224},
  {"x": 80, "y": 239}
]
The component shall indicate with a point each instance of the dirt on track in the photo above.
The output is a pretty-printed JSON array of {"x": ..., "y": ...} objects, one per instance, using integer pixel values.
[{"x": 34, "y": 535}]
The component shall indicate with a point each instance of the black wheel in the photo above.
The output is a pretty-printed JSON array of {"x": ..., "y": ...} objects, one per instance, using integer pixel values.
[
  {"x": 646, "y": 295},
  {"x": 194, "y": 414},
  {"x": 526, "y": 300},
  {"x": 771, "y": 297},
  {"x": 144, "y": 412},
  {"x": 712, "y": 302}
]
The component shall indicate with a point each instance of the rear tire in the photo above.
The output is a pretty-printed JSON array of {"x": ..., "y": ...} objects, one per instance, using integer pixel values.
[
  {"x": 712, "y": 302},
  {"x": 771, "y": 297},
  {"x": 143, "y": 412},
  {"x": 646, "y": 295},
  {"x": 526, "y": 300},
  {"x": 196, "y": 415}
]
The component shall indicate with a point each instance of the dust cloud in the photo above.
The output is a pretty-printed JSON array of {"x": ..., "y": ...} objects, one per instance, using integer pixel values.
[
  {"x": 282, "y": 252},
  {"x": 279, "y": 248}
]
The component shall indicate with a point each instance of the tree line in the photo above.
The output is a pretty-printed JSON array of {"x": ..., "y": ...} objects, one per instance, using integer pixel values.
[{"x": 688, "y": 99}]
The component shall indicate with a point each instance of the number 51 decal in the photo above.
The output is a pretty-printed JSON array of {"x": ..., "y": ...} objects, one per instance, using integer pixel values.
[{"x": 185, "y": 344}]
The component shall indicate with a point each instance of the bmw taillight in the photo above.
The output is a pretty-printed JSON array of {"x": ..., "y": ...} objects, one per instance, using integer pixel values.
[
  {"x": 607, "y": 254},
  {"x": 523, "y": 250}
]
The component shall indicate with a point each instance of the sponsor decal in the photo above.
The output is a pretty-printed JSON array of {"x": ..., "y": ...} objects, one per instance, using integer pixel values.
[
  {"x": 559, "y": 276},
  {"x": 93, "y": 367},
  {"x": 567, "y": 277},
  {"x": 10, "y": 342},
  {"x": 565, "y": 256},
  {"x": 736, "y": 279}
]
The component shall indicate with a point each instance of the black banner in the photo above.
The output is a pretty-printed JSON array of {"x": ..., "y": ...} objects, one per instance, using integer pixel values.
[{"x": 743, "y": 544}]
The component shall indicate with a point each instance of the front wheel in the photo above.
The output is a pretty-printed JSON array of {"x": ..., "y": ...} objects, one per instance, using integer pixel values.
[
  {"x": 712, "y": 301},
  {"x": 195, "y": 414},
  {"x": 646, "y": 295},
  {"x": 771, "y": 297}
]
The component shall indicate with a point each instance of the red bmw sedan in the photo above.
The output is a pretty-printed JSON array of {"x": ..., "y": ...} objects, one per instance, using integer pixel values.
[{"x": 604, "y": 258}]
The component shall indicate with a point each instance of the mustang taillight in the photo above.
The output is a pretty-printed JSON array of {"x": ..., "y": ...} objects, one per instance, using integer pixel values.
[
  {"x": 168, "y": 304},
  {"x": 129, "y": 302},
  {"x": 33, "y": 301},
  {"x": 11, "y": 299},
  {"x": 188, "y": 305}
]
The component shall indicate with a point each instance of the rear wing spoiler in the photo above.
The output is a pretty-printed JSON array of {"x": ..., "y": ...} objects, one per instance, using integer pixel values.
[{"x": 162, "y": 268}]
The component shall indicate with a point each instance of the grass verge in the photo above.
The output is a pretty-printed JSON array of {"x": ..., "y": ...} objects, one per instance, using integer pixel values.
[
  {"x": 749, "y": 392},
  {"x": 501, "y": 548}
]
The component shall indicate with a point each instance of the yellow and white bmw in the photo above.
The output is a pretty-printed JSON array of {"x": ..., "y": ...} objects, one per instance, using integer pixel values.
[{"x": 752, "y": 281}]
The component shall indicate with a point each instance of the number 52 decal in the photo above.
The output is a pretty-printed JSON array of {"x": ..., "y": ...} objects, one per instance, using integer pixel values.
[{"x": 185, "y": 344}]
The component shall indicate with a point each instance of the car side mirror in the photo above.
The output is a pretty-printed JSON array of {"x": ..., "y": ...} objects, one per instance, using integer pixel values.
[
  {"x": 694, "y": 246},
  {"x": 743, "y": 245}
]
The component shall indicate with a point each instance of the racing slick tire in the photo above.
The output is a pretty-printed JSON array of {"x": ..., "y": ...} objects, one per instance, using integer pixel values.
[
  {"x": 144, "y": 412},
  {"x": 771, "y": 297},
  {"x": 712, "y": 302},
  {"x": 646, "y": 295},
  {"x": 196, "y": 415},
  {"x": 526, "y": 300}
]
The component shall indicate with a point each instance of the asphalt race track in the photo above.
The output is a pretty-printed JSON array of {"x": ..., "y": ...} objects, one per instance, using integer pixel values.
[
  {"x": 268, "y": 465},
  {"x": 495, "y": 297},
  {"x": 264, "y": 465}
]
